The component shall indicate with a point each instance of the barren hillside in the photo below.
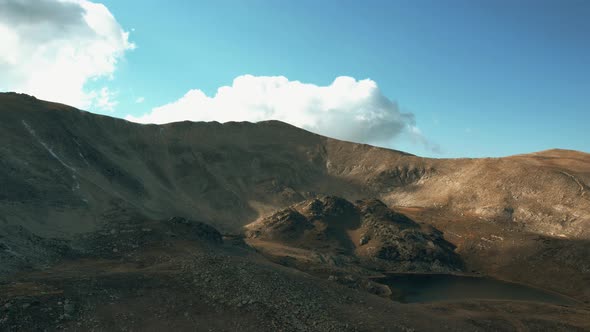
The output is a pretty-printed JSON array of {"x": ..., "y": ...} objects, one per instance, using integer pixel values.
[
  {"x": 71, "y": 181},
  {"x": 60, "y": 164}
]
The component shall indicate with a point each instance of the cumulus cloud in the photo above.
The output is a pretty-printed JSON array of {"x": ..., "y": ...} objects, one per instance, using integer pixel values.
[
  {"x": 52, "y": 48},
  {"x": 348, "y": 109}
]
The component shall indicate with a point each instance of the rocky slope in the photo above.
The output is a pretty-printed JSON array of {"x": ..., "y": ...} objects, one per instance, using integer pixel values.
[
  {"x": 154, "y": 275},
  {"x": 86, "y": 204},
  {"x": 73, "y": 170}
]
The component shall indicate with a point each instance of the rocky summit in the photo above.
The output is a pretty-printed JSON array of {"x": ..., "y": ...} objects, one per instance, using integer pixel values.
[{"x": 112, "y": 225}]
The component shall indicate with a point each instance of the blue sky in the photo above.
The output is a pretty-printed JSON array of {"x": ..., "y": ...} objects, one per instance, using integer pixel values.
[{"x": 482, "y": 78}]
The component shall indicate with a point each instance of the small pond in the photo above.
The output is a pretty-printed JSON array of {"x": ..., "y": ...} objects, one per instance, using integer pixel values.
[{"x": 414, "y": 288}]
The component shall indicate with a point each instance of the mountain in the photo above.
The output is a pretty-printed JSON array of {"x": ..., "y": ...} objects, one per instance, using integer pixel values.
[
  {"x": 79, "y": 187},
  {"x": 56, "y": 157}
]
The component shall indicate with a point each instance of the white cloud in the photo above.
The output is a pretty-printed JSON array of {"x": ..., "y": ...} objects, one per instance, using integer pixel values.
[
  {"x": 52, "y": 48},
  {"x": 139, "y": 100},
  {"x": 348, "y": 109},
  {"x": 416, "y": 136},
  {"x": 104, "y": 99}
]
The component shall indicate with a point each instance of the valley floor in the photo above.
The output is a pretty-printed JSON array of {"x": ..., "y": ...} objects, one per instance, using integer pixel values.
[{"x": 156, "y": 283}]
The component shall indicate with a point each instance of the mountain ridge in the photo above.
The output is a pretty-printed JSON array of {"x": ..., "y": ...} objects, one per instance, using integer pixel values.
[
  {"x": 7, "y": 96},
  {"x": 106, "y": 152},
  {"x": 89, "y": 204}
]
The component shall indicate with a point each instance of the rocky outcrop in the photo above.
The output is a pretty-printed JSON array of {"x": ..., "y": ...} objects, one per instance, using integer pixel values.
[
  {"x": 285, "y": 225},
  {"x": 123, "y": 238},
  {"x": 369, "y": 232},
  {"x": 193, "y": 230},
  {"x": 391, "y": 236}
]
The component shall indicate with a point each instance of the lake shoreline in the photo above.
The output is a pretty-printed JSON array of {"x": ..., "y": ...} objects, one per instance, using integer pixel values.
[{"x": 406, "y": 290}]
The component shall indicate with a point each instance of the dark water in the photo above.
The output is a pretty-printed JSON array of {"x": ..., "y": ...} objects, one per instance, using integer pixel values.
[{"x": 412, "y": 288}]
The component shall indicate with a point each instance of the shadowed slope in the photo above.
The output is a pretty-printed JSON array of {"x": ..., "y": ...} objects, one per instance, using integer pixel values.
[
  {"x": 87, "y": 242},
  {"x": 65, "y": 172}
]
